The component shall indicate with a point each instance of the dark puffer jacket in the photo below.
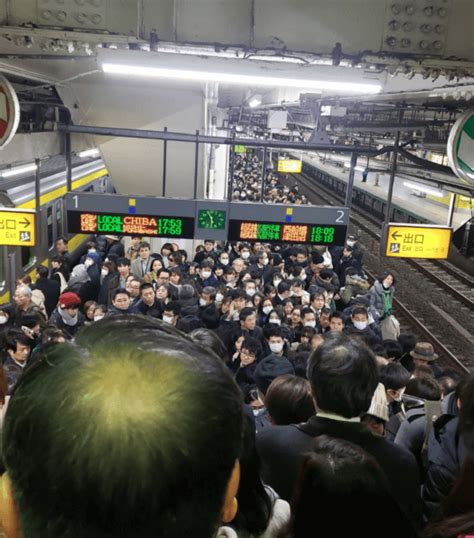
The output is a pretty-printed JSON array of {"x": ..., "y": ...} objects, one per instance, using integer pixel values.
[{"x": 446, "y": 453}]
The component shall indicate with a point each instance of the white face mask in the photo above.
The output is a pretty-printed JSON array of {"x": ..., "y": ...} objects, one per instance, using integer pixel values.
[
  {"x": 274, "y": 321},
  {"x": 245, "y": 255},
  {"x": 88, "y": 262},
  {"x": 225, "y": 261},
  {"x": 310, "y": 324},
  {"x": 205, "y": 275},
  {"x": 3, "y": 320},
  {"x": 360, "y": 325},
  {"x": 276, "y": 282},
  {"x": 91, "y": 250},
  {"x": 350, "y": 243},
  {"x": 97, "y": 318},
  {"x": 219, "y": 297},
  {"x": 276, "y": 348},
  {"x": 202, "y": 302},
  {"x": 251, "y": 292},
  {"x": 168, "y": 319},
  {"x": 267, "y": 309},
  {"x": 303, "y": 276},
  {"x": 104, "y": 272}
]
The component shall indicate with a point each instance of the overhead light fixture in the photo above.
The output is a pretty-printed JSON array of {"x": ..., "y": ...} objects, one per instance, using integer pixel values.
[
  {"x": 422, "y": 188},
  {"x": 255, "y": 101},
  {"x": 240, "y": 79},
  {"x": 94, "y": 152},
  {"x": 18, "y": 170}
]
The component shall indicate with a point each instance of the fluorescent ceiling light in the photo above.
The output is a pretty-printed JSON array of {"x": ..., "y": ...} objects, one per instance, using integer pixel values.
[
  {"x": 88, "y": 153},
  {"x": 422, "y": 188},
  {"x": 240, "y": 79},
  {"x": 18, "y": 170},
  {"x": 255, "y": 101}
]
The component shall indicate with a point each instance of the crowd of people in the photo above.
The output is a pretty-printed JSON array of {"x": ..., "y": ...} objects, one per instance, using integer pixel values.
[
  {"x": 243, "y": 390},
  {"x": 338, "y": 406},
  {"x": 247, "y": 173}
]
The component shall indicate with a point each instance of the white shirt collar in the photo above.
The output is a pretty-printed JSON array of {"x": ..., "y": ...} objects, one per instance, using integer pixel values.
[{"x": 333, "y": 416}]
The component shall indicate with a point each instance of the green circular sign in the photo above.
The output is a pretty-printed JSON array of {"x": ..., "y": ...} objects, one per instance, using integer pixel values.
[{"x": 461, "y": 147}]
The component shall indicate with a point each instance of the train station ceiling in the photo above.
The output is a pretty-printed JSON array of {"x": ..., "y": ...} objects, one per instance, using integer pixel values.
[{"x": 374, "y": 56}]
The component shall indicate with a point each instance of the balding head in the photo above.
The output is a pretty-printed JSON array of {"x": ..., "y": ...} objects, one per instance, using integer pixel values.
[{"x": 137, "y": 434}]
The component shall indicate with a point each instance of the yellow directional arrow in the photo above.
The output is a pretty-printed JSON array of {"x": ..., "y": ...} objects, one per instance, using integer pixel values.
[{"x": 17, "y": 228}]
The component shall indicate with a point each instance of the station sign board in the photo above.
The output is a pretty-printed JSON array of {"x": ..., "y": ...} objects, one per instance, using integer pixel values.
[
  {"x": 205, "y": 219},
  {"x": 17, "y": 228},
  {"x": 9, "y": 112},
  {"x": 422, "y": 241},
  {"x": 461, "y": 147},
  {"x": 290, "y": 166}
]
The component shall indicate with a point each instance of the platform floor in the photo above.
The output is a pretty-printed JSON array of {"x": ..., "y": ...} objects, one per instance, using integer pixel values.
[{"x": 432, "y": 211}]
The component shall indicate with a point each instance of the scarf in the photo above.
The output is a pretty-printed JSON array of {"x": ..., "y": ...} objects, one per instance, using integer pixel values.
[
  {"x": 67, "y": 318},
  {"x": 387, "y": 302}
]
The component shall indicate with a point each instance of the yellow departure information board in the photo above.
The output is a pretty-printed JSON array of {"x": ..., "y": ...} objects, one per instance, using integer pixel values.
[
  {"x": 17, "y": 228},
  {"x": 423, "y": 241},
  {"x": 289, "y": 166}
]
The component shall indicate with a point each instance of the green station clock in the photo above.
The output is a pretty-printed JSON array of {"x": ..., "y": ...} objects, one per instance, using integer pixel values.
[{"x": 211, "y": 219}]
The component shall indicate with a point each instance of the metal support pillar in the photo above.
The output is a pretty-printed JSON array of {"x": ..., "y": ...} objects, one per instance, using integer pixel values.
[
  {"x": 391, "y": 182},
  {"x": 196, "y": 165},
  {"x": 350, "y": 181},
  {"x": 264, "y": 166},
  {"x": 230, "y": 181},
  {"x": 452, "y": 208},
  {"x": 37, "y": 197},
  {"x": 393, "y": 171},
  {"x": 165, "y": 155},
  {"x": 68, "y": 162}
]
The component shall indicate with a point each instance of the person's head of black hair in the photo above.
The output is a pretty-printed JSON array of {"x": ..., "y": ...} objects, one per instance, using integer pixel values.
[
  {"x": 273, "y": 330},
  {"x": 288, "y": 400},
  {"x": 343, "y": 376},
  {"x": 245, "y": 313},
  {"x": 283, "y": 287},
  {"x": 121, "y": 262},
  {"x": 407, "y": 341},
  {"x": 394, "y": 349},
  {"x": 120, "y": 291},
  {"x": 172, "y": 306},
  {"x": 252, "y": 345},
  {"x": 466, "y": 415},
  {"x": 394, "y": 376},
  {"x": 42, "y": 271},
  {"x": 335, "y": 472},
  {"x": 209, "y": 340},
  {"x": 141, "y": 472},
  {"x": 424, "y": 387}
]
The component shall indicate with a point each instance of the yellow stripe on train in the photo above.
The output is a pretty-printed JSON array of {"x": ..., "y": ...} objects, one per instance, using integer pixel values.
[{"x": 74, "y": 241}]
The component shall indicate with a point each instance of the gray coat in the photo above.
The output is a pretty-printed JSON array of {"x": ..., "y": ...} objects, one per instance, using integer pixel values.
[{"x": 376, "y": 299}]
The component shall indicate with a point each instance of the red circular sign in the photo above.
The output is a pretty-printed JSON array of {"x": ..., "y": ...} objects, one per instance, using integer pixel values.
[{"x": 9, "y": 112}]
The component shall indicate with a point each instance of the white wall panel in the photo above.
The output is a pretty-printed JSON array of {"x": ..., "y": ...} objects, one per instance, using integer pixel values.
[{"x": 136, "y": 165}]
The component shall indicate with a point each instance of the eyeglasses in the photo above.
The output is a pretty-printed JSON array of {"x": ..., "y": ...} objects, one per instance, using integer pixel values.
[{"x": 247, "y": 354}]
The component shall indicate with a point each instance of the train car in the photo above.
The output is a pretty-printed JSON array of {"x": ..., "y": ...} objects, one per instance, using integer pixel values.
[{"x": 90, "y": 176}]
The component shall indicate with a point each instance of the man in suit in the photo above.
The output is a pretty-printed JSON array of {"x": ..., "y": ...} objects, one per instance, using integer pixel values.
[
  {"x": 343, "y": 375},
  {"x": 142, "y": 265}
]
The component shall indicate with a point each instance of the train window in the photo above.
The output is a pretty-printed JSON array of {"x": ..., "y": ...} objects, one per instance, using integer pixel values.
[
  {"x": 50, "y": 226},
  {"x": 59, "y": 219},
  {"x": 28, "y": 258}
]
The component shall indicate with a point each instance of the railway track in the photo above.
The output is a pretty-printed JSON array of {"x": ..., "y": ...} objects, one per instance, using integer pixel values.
[{"x": 458, "y": 285}]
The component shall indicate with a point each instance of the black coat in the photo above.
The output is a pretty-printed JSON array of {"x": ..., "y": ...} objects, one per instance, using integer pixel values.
[
  {"x": 50, "y": 289},
  {"x": 446, "y": 454},
  {"x": 281, "y": 450}
]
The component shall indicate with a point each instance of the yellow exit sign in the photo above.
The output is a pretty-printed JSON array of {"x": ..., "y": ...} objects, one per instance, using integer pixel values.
[
  {"x": 422, "y": 241},
  {"x": 289, "y": 166},
  {"x": 17, "y": 228}
]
